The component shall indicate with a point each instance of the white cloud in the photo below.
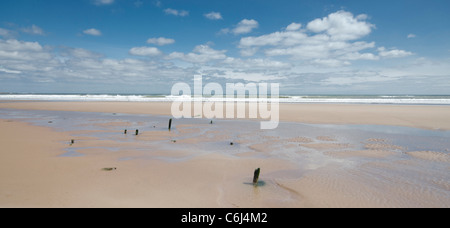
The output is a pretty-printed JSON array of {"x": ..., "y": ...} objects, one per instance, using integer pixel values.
[
  {"x": 411, "y": 36},
  {"x": 20, "y": 50},
  {"x": 9, "y": 71},
  {"x": 342, "y": 25},
  {"x": 284, "y": 38},
  {"x": 299, "y": 45},
  {"x": 200, "y": 54},
  {"x": 293, "y": 27},
  {"x": 103, "y": 2},
  {"x": 393, "y": 53},
  {"x": 331, "y": 62},
  {"x": 254, "y": 64},
  {"x": 302, "y": 57},
  {"x": 245, "y": 26},
  {"x": 249, "y": 51},
  {"x": 161, "y": 41},
  {"x": 75, "y": 66},
  {"x": 245, "y": 75},
  {"x": 214, "y": 16},
  {"x": 35, "y": 30},
  {"x": 360, "y": 56},
  {"x": 356, "y": 79},
  {"x": 92, "y": 32},
  {"x": 181, "y": 13},
  {"x": 22, "y": 59},
  {"x": 330, "y": 41},
  {"x": 145, "y": 51}
]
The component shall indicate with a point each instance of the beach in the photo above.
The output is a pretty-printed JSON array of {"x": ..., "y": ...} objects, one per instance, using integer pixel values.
[{"x": 321, "y": 155}]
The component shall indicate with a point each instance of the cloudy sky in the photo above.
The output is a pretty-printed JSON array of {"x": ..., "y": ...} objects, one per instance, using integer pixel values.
[{"x": 146, "y": 46}]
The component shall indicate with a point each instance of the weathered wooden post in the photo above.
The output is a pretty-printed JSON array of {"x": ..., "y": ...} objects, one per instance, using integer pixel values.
[
  {"x": 137, "y": 132},
  {"x": 256, "y": 176},
  {"x": 170, "y": 124},
  {"x": 109, "y": 169},
  {"x": 72, "y": 142},
  {"x": 125, "y": 132}
]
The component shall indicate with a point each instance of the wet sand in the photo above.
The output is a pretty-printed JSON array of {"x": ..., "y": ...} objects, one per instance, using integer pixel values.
[
  {"x": 421, "y": 116},
  {"x": 195, "y": 166},
  {"x": 33, "y": 174}
]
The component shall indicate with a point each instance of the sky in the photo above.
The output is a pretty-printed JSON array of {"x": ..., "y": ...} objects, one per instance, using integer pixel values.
[{"x": 147, "y": 46}]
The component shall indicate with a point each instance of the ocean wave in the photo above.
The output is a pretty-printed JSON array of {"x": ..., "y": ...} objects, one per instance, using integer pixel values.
[{"x": 421, "y": 100}]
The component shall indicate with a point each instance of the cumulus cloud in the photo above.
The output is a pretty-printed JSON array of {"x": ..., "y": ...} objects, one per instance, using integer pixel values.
[
  {"x": 342, "y": 25},
  {"x": 92, "y": 32},
  {"x": 410, "y": 36},
  {"x": 26, "y": 60},
  {"x": 214, "y": 16},
  {"x": 145, "y": 51},
  {"x": 20, "y": 60},
  {"x": 254, "y": 64},
  {"x": 21, "y": 50},
  {"x": 304, "y": 57},
  {"x": 330, "y": 41},
  {"x": 181, "y": 13},
  {"x": 293, "y": 27},
  {"x": 200, "y": 54},
  {"x": 284, "y": 38},
  {"x": 161, "y": 41},
  {"x": 243, "y": 27},
  {"x": 299, "y": 45},
  {"x": 243, "y": 76},
  {"x": 393, "y": 53}
]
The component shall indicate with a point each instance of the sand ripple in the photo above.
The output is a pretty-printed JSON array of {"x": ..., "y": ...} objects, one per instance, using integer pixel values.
[
  {"x": 361, "y": 153},
  {"x": 430, "y": 155}
]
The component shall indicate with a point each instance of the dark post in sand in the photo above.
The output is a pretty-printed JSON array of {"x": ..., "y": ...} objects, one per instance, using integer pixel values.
[
  {"x": 256, "y": 176},
  {"x": 170, "y": 124}
]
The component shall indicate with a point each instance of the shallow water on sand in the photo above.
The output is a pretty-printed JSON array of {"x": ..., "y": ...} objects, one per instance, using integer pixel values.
[{"x": 397, "y": 166}]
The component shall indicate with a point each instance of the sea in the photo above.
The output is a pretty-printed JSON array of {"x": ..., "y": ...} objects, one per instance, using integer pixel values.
[{"x": 327, "y": 99}]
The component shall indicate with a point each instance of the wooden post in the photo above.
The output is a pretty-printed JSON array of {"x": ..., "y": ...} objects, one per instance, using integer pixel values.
[
  {"x": 125, "y": 132},
  {"x": 137, "y": 132},
  {"x": 170, "y": 124},
  {"x": 72, "y": 142},
  {"x": 256, "y": 176}
]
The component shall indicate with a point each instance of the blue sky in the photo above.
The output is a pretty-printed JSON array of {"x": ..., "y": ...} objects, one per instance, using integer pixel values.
[{"x": 146, "y": 46}]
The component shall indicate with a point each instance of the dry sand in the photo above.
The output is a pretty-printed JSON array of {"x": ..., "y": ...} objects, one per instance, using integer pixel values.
[{"x": 33, "y": 174}]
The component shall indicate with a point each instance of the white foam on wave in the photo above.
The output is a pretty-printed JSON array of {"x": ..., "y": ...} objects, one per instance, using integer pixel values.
[{"x": 283, "y": 99}]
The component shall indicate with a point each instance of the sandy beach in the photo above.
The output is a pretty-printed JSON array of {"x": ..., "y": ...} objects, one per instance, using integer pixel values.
[
  {"x": 321, "y": 165},
  {"x": 426, "y": 116}
]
